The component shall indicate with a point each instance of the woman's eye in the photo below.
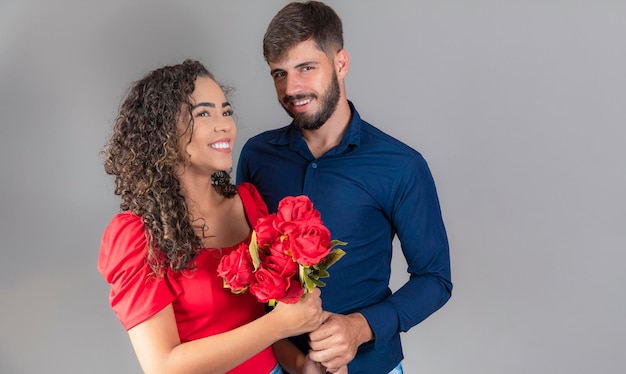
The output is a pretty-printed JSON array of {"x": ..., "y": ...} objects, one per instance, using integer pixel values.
[
  {"x": 202, "y": 114},
  {"x": 228, "y": 113}
]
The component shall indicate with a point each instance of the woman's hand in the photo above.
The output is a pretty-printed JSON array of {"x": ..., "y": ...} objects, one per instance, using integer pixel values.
[
  {"x": 304, "y": 316},
  {"x": 312, "y": 367}
]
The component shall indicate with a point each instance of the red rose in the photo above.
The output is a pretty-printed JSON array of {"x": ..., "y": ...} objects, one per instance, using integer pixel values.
[
  {"x": 281, "y": 264},
  {"x": 271, "y": 284},
  {"x": 281, "y": 248},
  {"x": 310, "y": 244},
  {"x": 294, "y": 292},
  {"x": 236, "y": 268},
  {"x": 266, "y": 234},
  {"x": 282, "y": 243},
  {"x": 298, "y": 209}
]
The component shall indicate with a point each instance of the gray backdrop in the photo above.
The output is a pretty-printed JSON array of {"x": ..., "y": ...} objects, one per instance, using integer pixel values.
[{"x": 518, "y": 106}]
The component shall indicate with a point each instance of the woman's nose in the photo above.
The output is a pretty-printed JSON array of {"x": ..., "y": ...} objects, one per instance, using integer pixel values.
[{"x": 225, "y": 124}]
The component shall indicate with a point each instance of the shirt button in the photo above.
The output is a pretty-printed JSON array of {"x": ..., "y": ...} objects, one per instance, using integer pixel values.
[{"x": 314, "y": 165}]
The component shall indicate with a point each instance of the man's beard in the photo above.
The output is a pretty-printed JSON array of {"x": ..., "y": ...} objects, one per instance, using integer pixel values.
[{"x": 329, "y": 101}]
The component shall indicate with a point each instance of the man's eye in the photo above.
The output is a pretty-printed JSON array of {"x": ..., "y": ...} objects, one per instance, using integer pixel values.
[{"x": 279, "y": 75}]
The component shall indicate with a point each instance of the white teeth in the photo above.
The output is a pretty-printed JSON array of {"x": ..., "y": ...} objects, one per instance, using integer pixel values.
[
  {"x": 221, "y": 145},
  {"x": 301, "y": 102}
]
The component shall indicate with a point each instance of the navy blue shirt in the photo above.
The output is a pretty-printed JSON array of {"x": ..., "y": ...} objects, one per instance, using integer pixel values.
[{"x": 368, "y": 189}]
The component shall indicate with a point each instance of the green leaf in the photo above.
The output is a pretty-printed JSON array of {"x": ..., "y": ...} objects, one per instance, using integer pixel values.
[
  {"x": 323, "y": 274},
  {"x": 302, "y": 273},
  {"x": 254, "y": 251},
  {"x": 307, "y": 282},
  {"x": 335, "y": 242},
  {"x": 332, "y": 257},
  {"x": 233, "y": 291}
]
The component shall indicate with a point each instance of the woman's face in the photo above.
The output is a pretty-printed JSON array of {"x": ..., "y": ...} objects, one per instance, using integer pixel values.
[{"x": 214, "y": 130}]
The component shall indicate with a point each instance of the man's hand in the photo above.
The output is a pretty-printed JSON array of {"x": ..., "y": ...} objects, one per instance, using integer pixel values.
[{"x": 334, "y": 344}]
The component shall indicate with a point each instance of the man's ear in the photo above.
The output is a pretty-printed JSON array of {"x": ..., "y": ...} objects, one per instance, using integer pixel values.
[{"x": 342, "y": 63}]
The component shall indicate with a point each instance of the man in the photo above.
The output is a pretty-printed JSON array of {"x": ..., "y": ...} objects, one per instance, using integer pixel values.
[{"x": 368, "y": 187}]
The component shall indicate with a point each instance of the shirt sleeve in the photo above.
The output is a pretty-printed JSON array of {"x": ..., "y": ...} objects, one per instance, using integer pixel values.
[
  {"x": 415, "y": 212},
  {"x": 241, "y": 175},
  {"x": 136, "y": 293}
]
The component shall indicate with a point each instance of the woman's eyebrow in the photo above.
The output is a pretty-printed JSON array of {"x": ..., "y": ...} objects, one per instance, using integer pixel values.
[{"x": 210, "y": 105}]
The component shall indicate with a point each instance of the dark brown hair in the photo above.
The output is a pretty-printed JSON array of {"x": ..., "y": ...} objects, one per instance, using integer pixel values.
[
  {"x": 143, "y": 153},
  {"x": 298, "y": 22}
]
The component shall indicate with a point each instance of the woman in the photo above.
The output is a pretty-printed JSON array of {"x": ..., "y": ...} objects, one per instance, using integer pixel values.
[{"x": 170, "y": 146}]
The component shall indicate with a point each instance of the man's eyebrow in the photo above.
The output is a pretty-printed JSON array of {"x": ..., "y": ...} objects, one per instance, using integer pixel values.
[
  {"x": 306, "y": 63},
  {"x": 210, "y": 105},
  {"x": 298, "y": 66}
]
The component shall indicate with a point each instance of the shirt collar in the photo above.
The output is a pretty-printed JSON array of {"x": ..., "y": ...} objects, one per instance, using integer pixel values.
[{"x": 351, "y": 138}]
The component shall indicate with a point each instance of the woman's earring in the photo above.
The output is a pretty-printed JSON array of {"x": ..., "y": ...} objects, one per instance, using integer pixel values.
[{"x": 221, "y": 181}]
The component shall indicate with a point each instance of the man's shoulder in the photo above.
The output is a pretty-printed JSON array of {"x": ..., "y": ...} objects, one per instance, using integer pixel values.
[{"x": 376, "y": 137}]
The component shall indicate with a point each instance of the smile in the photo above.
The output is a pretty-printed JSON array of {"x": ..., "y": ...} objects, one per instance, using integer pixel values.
[
  {"x": 220, "y": 145},
  {"x": 301, "y": 102}
]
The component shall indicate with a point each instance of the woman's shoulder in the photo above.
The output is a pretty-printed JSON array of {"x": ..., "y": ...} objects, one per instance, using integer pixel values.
[
  {"x": 123, "y": 243},
  {"x": 124, "y": 226},
  {"x": 124, "y": 219},
  {"x": 252, "y": 201},
  {"x": 247, "y": 188}
]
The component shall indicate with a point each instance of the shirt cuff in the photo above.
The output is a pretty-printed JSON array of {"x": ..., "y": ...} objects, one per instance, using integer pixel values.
[{"x": 383, "y": 320}]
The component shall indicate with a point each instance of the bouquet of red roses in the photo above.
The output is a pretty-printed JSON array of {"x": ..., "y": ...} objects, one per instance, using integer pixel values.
[{"x": 288, "y": 253}]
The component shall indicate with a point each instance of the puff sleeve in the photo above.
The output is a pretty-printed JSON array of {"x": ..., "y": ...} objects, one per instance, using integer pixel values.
[
  {"x": 253, "y": 203},
  {"x": 136, "y": 293}
]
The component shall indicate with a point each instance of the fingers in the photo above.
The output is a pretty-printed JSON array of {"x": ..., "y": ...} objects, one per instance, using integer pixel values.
[
  {"x": 304, "y": 316},
  {"x": 341, "y": 370},
  {"x": 313, "y": 299},
  {"x": 328, "y": 358},
  {"x": 325, "y": 330},
  {"x": 326, "y": 315},
  {"x": 310, "y": 311},
  {"x": 332, "y": 344},
  {"x": 312, "y": 367}
]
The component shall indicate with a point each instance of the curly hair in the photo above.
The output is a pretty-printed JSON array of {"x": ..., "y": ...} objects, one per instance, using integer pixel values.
[
  {"x": 298, "y": 22},
  {"x": 143, "y": 153}
]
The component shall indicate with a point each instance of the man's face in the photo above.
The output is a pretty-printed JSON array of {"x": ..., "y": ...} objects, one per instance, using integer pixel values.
[{"x": 306, "y": 84}]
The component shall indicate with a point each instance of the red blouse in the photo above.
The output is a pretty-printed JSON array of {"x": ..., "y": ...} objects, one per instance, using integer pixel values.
[{"x": 202, "y": 306}]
